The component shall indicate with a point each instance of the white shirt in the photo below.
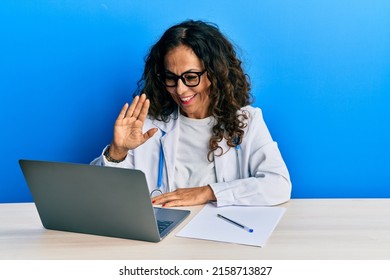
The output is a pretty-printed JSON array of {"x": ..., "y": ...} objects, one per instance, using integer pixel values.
[{"x": 192, "y": 167}]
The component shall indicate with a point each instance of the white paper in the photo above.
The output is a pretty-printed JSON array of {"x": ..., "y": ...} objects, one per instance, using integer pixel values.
[{"x": 206, "y": 224}]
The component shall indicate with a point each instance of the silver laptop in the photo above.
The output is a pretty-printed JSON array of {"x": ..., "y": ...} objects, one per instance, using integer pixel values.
[{"x": 97, "y": 200}]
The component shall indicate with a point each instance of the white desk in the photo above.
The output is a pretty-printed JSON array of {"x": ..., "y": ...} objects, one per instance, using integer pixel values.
[{"x": 310, "y": 229}]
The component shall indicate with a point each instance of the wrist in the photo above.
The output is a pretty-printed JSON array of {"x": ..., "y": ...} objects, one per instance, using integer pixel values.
[
  {"x": 210, "y": 193},
  {"x": 113, "y": 155}
]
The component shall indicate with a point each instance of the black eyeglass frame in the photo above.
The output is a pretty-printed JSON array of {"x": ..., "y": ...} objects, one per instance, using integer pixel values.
[{"x": 181, "y": 77}]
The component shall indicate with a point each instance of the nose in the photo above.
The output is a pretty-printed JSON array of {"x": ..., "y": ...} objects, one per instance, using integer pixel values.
[{"x": 181, "y": 87}]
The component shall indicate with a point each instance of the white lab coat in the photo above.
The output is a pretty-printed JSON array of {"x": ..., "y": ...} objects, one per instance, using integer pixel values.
[{"x": 255, "y": 174}]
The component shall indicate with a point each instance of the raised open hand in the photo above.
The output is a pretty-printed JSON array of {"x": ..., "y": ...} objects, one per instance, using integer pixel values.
[{"x": 128, "y": 126}]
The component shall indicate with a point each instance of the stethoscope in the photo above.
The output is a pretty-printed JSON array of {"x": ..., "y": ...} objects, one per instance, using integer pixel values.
[
  {"x": 161, "y": 163},
  {"x": 238, "y": 156}
]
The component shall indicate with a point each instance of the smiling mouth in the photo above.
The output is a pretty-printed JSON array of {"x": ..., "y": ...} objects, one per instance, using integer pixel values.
[{"x": 186, "y": 100}]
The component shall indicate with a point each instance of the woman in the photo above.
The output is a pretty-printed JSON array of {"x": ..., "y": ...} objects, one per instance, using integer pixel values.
[{"x": 193, "y": 132}]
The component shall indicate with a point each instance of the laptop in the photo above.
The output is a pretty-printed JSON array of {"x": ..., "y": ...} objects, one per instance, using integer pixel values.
[{"x": 97, "y": 200}]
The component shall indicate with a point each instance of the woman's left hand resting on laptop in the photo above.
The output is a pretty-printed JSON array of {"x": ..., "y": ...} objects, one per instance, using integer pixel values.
[{"x": 185, "y": 197}]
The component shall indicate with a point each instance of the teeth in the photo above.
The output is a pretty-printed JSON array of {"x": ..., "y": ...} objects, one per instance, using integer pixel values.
[{"x": 186, "y": 98}]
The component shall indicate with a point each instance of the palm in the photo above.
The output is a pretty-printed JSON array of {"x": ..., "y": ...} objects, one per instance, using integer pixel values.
[
  {"x": 128, "y": 127},
  {"x": 128, "y": 133}
]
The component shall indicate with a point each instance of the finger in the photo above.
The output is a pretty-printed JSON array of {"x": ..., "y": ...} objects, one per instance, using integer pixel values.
[
  {"x": 144, "y": 110},
  {"x": 133, "y": 104},
  {"x": 157, "y": 200},
  {"x": 176, "y": 203},
  {"x": 139, "y": 106},
  {"x": 164, "y": 198},
  {"x": 122, "y": 114},
  {"x": 149, "y": 134}
]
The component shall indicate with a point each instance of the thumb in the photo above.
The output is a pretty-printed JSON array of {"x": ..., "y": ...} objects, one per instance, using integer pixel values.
[{"x": 148, "y": 134}]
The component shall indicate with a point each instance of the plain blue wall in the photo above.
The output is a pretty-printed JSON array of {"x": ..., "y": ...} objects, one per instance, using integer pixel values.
[{"x": 320, "y": 72}]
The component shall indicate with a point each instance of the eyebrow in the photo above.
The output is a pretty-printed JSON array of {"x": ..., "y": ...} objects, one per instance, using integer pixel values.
[{"x": 191, "y": 70}]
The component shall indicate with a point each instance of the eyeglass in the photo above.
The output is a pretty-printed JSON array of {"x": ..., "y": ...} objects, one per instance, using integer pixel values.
[{"x": 189, "y": 78}]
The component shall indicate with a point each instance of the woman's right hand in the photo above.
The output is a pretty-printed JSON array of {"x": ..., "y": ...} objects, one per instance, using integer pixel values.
[{"x": 128, "y": 128}]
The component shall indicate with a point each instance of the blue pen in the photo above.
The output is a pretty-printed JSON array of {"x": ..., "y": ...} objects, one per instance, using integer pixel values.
[{"x": 235, "y": 223}]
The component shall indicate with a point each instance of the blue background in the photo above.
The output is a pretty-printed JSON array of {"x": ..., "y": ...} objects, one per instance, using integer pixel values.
[{"x": 320, "y": 71}]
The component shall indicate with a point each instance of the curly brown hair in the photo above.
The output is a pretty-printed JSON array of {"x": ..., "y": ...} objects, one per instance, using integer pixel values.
[{"x": 229, "y": 90}]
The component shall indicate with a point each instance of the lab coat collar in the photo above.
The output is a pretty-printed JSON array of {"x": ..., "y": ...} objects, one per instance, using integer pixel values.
[{"x": 167, "y": 126}]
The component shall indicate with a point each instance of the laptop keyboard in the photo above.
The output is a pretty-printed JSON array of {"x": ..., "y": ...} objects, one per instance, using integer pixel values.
[{"x": 162, "y": 225}]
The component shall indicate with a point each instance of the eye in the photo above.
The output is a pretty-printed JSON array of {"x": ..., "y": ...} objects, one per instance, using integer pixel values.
[
  {"x": 170, "y": 77},
  {"x": 190, "y": 77}
]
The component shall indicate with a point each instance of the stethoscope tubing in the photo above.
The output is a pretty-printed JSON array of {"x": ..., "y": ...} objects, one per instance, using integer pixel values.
[{"x": 161, "y": 162}]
